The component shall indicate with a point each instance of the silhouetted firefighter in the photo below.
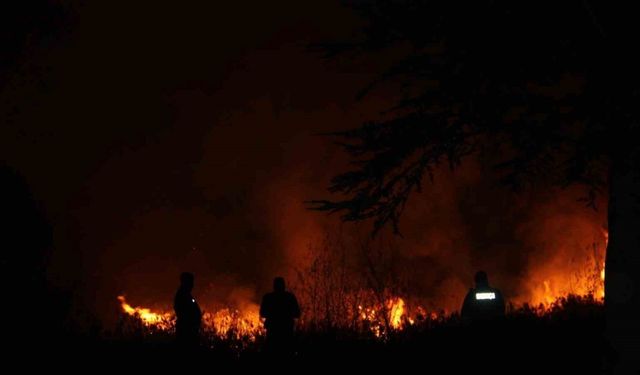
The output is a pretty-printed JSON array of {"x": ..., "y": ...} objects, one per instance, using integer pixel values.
[
  {"x": 188, "y": 314},
  {"x": 279, "y": 308},
  {"x": 483, "y": 302}
]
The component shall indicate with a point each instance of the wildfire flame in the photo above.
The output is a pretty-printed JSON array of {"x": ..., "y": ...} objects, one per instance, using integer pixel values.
[
  {"x": 236, "y": 323},
  {"x": 149, "y": 318},
  {"x": 397, "y": 316},
  {"x": 606, "y": 245},
  {"x": 393, "y": 314},
  {"x": 223, "y": 323},
  {"x": 558, "y": 281},
  {"x": 396, "y": 312}
]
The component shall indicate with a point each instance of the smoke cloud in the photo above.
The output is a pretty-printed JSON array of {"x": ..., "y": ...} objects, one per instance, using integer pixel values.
[{"x": 163, "y": 139}]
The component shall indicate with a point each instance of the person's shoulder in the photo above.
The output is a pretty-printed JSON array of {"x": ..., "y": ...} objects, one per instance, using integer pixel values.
[{"x": 469, "y": 296}]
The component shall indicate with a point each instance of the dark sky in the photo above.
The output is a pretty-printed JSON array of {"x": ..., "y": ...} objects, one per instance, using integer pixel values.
[{"x": 164, "y": 136}]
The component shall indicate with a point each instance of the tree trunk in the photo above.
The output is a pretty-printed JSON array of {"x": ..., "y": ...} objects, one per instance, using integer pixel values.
[{"x": 622, "y": 269}]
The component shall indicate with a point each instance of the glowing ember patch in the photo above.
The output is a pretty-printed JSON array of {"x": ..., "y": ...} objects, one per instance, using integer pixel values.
[{"x": 485, "y": 296}]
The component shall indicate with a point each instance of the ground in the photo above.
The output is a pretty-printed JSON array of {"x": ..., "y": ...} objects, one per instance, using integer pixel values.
[{"x": 566, "y": 339}]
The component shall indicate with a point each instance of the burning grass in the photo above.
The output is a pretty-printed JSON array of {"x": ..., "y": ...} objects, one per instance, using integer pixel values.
[
  {"x": 333, "y": 302},
  {"x": 377, "y": 322},
  {"x": 354, "y": 319},
  {"x": 565, "y": 335}
]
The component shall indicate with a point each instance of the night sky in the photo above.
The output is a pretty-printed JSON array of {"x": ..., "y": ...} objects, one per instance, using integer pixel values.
[{"x": 161, "y": 137}]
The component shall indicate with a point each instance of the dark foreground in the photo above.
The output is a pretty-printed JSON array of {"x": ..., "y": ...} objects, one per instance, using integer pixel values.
[{"x": 567, "y": 340}]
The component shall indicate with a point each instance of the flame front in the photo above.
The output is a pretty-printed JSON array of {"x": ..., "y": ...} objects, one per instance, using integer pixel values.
[
  {"x": 550, "y": 283},
  {"x": 222, "y": 323},
  {"x": 393, "y": 314},
  {"x": 149, "y": 318},
  {"x": 396, "y": 312},
  {"x": 557, "y": 280},
  {"x": 240, "y": 324}
]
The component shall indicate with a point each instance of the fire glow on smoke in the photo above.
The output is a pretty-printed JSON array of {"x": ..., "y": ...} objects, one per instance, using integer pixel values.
[
  {"x": 248, "y": 324},
  {"x": 379, "y": 318}
]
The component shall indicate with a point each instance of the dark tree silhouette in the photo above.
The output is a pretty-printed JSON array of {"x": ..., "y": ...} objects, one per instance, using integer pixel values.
[
  {"x": 550, "y": 91},
  {"x": 25, "y": 242}
]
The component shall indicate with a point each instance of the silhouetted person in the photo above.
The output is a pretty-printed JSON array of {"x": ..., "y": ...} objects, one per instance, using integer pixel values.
[
  {"x": 483, "y": 303},
  {"x": 279, "y": 308},
  {"x": 188, "y": 314}
]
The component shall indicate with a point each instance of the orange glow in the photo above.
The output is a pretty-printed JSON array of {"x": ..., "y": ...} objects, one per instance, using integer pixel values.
[
  {"x": 606, "y": 244},
  {"x": 396, "y": 312},
  {"x": 235, "y": 323},
  {"x": 397, "y": 316},
  {"x": 223, "y": 323},
  {"x": 552, "y": 280},
  {"x": 149, "y": 318},
  {"x": 556, "y": 280}
]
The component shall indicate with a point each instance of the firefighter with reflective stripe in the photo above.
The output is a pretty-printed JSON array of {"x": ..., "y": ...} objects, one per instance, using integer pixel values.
[
  {"x": 483, "y": 302},
  {"x": 188, "y": 314}
]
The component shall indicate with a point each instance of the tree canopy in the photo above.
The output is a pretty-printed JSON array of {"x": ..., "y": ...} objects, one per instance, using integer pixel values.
[{"x": 532, "y": 84}]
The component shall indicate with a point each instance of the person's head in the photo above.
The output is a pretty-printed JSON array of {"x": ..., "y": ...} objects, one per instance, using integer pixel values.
[
  {"x": 186, "y": 280},
  {"x": 278, "y": 284},
  {"x": 482, "y": 280}
]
